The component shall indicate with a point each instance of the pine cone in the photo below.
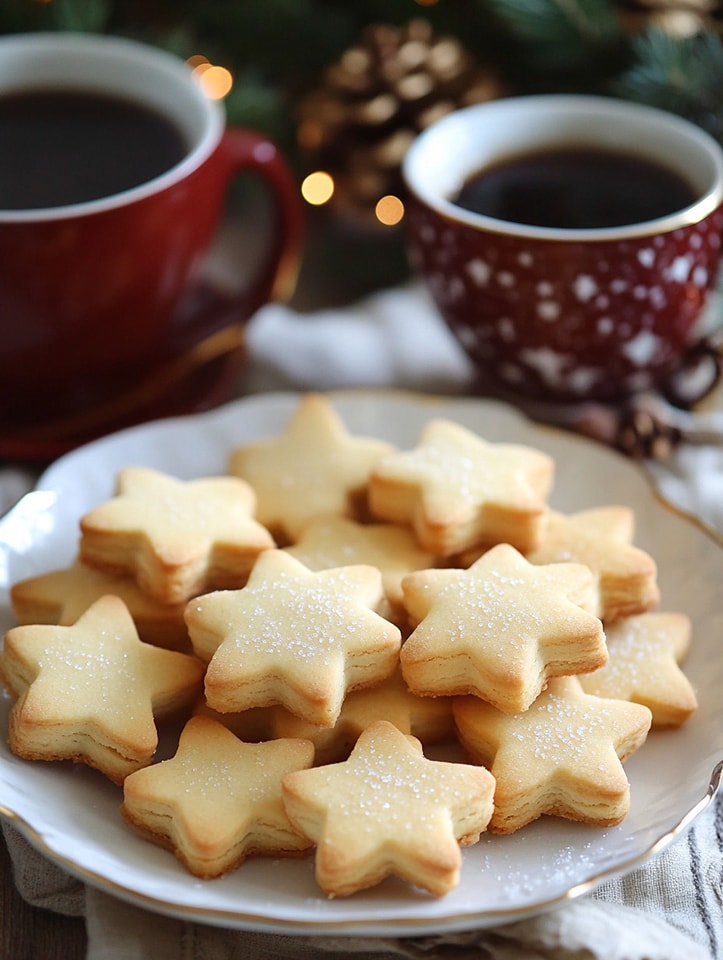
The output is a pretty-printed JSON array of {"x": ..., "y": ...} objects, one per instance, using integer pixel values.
[
  {"x": 374, "y": 101},
  {"x": 644, "y": 434}
]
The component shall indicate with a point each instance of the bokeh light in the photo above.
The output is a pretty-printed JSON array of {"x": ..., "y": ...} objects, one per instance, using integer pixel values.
[
  {"x": 317, "y": 188},
  {"x": 389, "y": 210},
  {"x": 215, "y": 81}
]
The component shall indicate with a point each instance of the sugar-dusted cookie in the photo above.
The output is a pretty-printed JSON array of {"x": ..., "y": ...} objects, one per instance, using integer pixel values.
[
  {"x": 562, "y": 757},
  {"x": 315, "y": 466},
  {"x": 500, "y": 629},
  {"x": 333, "y": 541},
  {"x": 457, "y": 490},
  {"x": 388, "y": 810},
  {"x": 601, "y": 538},
  {"x": 293, "y": 637},
  {"x": 61, "y": 596},
  {"x": 91, "y": 692},
  {"x": 175, "y": 538},
  {"x": 429, "y": 719},
  {"x": 644, "y": 656},
  {"x": 218, "y": 800}
]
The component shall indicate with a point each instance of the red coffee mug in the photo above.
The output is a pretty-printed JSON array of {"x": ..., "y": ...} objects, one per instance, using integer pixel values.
[
  {"x": 106, "y": 318},
  {"x": 557, "y": 314}
]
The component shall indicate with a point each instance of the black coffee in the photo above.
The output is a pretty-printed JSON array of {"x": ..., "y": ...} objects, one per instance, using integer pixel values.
[
  {"x": 576, "y": 188},
  {"x": 64, "y": 147}
]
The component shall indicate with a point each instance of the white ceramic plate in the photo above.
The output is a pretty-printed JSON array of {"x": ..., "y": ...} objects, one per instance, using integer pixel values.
[{"x": 71, "y": 813}]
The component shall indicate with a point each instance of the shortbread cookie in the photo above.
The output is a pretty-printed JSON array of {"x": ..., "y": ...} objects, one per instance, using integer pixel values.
[
  {"x": 500, "y": 629},
  {"x": 61, "y": 596},
  {"x": 90, "y": 692},
  {"x": 336, "y": 542},
  {"x": 457, "y": 491},
  {"x": 429, "y": 719},
  {"x": 175, "y": 538},
  {"x": 314, "y": 467},
  {"x": 644, "y": 656},
  {"x": 218, "y": 800},
  {"x": 293, "y": 637},
  {"x": 562, "y": 757},
  {"x": 602, "y": 539},
  {"x": 388, "y": 810}
]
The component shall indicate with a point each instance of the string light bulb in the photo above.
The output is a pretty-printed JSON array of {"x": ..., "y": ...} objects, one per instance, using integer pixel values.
[
  {"x": 215, "y": 81},
  {"x": 317, "y": 188},
  {"x": 389, "y": 210}
]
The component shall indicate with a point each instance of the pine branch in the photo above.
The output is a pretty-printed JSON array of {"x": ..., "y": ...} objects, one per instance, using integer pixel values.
[
  {"x": 681, "y": 74},
  {"x": 563, "y": 42},
  {"x": 588, "y": 21}
]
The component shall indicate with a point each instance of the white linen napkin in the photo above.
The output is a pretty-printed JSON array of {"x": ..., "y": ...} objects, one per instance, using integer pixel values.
[{"x": 669, "y": 909}]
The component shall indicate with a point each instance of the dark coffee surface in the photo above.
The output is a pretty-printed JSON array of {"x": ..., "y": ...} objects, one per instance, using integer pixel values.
[
  {"x": 576, "y": 188},
  {"x": 64, "y": 147}
]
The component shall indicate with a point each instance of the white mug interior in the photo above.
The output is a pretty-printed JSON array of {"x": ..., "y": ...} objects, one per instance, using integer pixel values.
[
  {"x": 121, "y": 68},
  {"x": 456, "y": 147}
]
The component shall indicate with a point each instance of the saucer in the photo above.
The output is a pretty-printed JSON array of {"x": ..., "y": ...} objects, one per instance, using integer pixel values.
[{"x": 200, "y": 378}]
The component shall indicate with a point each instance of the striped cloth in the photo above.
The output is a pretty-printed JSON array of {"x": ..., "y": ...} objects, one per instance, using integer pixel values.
[{"x": 670, "y": 909}]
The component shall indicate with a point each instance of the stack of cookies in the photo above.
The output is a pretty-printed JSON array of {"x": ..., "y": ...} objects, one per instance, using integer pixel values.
[{"x": 318, "y": 618}]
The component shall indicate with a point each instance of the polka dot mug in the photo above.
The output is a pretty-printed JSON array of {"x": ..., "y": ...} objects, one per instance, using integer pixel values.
[{"x": 557, "y": 313}]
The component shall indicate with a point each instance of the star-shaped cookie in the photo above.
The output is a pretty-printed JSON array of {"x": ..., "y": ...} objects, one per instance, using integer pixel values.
[
  {"x": 315, "y": 466},
  {"x": 457, "y": 490},
  {"x": 601, "y": 538},
  {"x": 429, "y": 719},
  {"x": 293, "y": 637},
  {"x": 175, "y": 538},
  {"x": 644, "y": 656},
  {"x": 90, "y": 692},
  {"x": 562, "y": 757},
  {"x": 218, "y": 800},
  {"x": 500, "y": 629},
  {"x": 333, "y": 541},
  {"x": 61, "y": 596},
  {"x": 389, "y": 810}
]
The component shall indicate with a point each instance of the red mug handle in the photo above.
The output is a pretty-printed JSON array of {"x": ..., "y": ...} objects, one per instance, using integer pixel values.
[
  {"x": 242, "y": 149},
  {"x": 208, "y": 309}
]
